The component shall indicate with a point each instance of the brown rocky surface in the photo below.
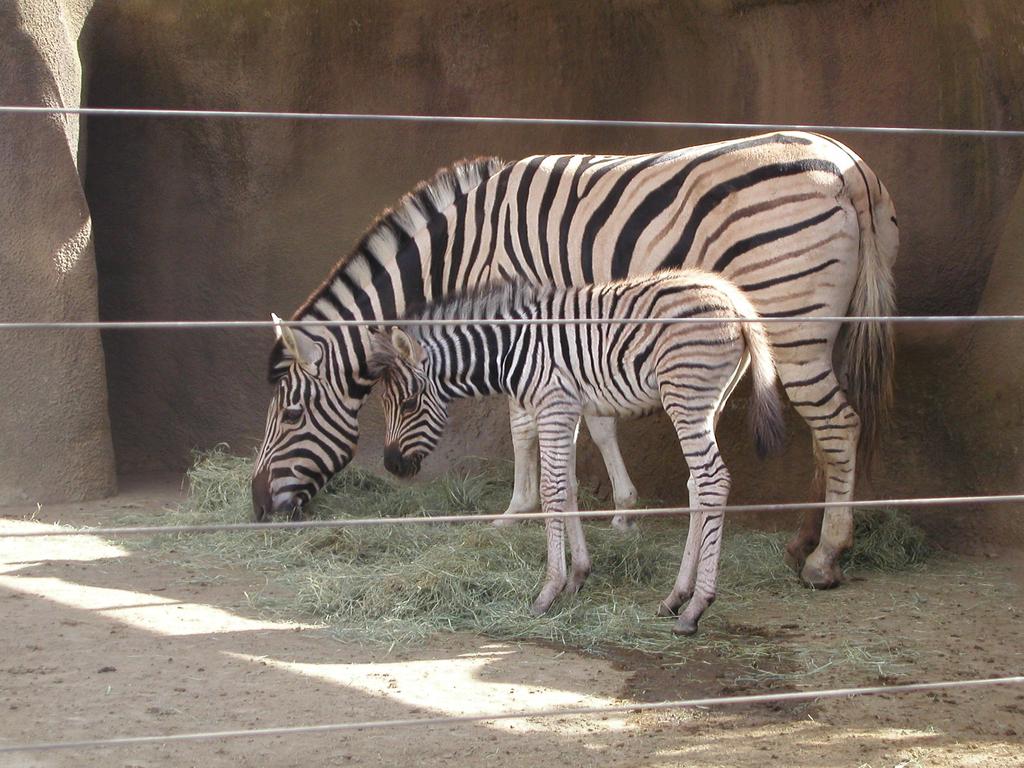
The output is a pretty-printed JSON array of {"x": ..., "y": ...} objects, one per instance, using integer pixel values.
[
  {"x": 235, "y": 219},
  {"x": 54, "y": 430}
]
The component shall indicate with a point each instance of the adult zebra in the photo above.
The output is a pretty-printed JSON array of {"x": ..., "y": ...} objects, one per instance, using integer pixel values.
[
  {"x": 556, "y": 373},
  {"x": 797, "y": 220}
]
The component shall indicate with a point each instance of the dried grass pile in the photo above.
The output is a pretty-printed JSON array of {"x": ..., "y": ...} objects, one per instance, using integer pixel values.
[{"x": 399, "y": 584}]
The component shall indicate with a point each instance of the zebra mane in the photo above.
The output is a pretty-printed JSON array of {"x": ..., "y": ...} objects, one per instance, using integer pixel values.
[
  {"x": 394, "y": 226},
  {"x": 487, "y": 302}
]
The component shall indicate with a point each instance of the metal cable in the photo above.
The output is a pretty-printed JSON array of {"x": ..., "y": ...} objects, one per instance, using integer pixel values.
[
  {"x": 122, "y": 325},
  {"x": 550, "y": 713},
  {"x": 765, "y": 698},
  {"x": 148, "y": 530},
  {"x": 494, "y": 120}
]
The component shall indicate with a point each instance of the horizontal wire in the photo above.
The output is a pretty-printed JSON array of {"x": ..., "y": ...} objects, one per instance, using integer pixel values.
[
  {"x": 419, "y": 722},
  {"x": 497, "y": 120},
  {"x": 479, "y": 518},
  {"x": 124, "y": 325}
]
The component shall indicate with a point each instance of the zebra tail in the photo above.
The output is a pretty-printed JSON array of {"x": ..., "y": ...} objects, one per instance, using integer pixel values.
[
  {"x": 765, "y": 413},
  {"x": 867, "y": 349}
]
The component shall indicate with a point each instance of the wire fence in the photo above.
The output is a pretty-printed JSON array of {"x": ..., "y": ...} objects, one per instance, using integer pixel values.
[
  {"x": 772, "y": 698},
  {"x": 355, "y": 522},
  {"x": 210, "y": 114},
  {"x": 172, "y": 325},
  {"x": 564, "y": 122},
  {"x": 659, "y": 706}
]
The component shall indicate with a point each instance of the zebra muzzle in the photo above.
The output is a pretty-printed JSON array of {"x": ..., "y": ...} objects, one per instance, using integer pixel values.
[
  {"x": 262, "y": 502},
  {"x": 266, "y": 505},
  {"x": 399, "y": 464}
]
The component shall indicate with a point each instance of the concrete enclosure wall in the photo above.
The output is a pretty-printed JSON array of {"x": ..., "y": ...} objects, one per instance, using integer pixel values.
[
  {"x": 54, "y": 431},
  {"x": 235, "y": 219}
]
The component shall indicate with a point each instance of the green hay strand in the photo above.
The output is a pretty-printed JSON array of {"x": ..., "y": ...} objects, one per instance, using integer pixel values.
[{"x": 401, "y": 584}]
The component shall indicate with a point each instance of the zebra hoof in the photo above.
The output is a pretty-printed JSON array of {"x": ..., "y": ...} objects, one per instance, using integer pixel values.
[
  {"x": 821, "y": 578},
  {"x": 546, "y": 597},
  {"x": 623, "y": 523},
  {"x": 576, "y": 581},
  {"x": 666, "y": 611},
  {"x": 684, "y": 627},
  {"x": 794, "y": 561}
]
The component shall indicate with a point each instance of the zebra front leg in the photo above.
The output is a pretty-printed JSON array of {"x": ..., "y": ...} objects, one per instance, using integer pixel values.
[
  {"x": 555, "y": 577},
  {"x": 580, "y": 567},
  {"x": 555, "y": 428},
  {"x": 525, "y": 490},
  {"x": 603, "y": 431}
]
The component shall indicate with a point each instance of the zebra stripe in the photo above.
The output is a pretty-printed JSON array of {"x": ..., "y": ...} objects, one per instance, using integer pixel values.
[
  {"x": 796, "y": 218},
  {"x": 554, "y": 374}
]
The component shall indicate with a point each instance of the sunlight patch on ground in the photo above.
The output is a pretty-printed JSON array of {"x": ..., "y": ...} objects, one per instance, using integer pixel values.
[
  {"x": 906, "y": 746},
  {"x": 456, "y": 687},
  {"x": 160, "y": 615},
  {"x": 16, "y": 554}
]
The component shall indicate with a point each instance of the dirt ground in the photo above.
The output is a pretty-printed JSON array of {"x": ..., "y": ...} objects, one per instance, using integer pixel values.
[{"x": 99, "y": 640}]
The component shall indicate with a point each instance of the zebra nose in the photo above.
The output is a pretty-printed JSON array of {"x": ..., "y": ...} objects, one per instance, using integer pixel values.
[
  {"x": 262, "y": 505},
  {"x": 398, "y": 464}
]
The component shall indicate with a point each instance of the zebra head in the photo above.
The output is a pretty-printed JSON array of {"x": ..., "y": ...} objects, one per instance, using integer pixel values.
[
  {"x": 312, "y": 423},
  {"x": 415, "y": 410}
]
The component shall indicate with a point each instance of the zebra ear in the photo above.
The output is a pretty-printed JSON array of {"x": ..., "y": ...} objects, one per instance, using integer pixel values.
[
  {"x": 287, "y": 337},
  {"x": 303, "y": 349},
  {"x": 406, "y": 345},
  {"x": 382, "y": 353}
]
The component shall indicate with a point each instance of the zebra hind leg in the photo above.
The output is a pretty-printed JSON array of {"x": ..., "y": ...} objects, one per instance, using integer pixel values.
[
  {"x": 710, "y": 532},
  {"x": 835, "y": 429},
  {"x": 688, "y": 568},
  {"x": 687, "y": 578},
  {"x": 707, "y": 485},
  {"x": 804, "y": 540},
  {"x": 698, "y": 572},
  {"x": 604, "y": 434},
  {"x": 808, "y": 534}
]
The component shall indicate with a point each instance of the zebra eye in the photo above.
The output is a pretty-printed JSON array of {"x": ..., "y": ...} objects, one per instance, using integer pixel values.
[
  {"x": 291, "y": 414},
  {"x": 409, "y": 404}
]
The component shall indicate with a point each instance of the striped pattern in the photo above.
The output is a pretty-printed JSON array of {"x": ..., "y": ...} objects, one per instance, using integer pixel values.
[
  {"x": 797, "y": 220},
  {"x": 554, "y": 374}
]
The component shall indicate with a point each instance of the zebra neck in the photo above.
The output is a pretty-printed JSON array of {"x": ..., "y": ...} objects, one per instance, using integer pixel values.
[
  {"x": 364, "y": 290},
  {"x": 402, "y": 260},
  {"x": 468, "y": 361}
]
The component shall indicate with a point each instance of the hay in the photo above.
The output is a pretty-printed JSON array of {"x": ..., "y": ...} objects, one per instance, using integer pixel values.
[
  {"x": 400, "y": 584},
  {"x": 886, "y": 540}
]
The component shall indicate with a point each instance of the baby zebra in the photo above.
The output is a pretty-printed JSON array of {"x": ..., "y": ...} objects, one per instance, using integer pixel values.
[{"x": 555, "y": 373}]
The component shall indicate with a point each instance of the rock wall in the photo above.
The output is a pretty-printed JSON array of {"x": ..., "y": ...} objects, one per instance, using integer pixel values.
[
  {"x": 54, "y": 432},
  {"x": 984, "y": 389},
  {"x": 235, "y": 219}
]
